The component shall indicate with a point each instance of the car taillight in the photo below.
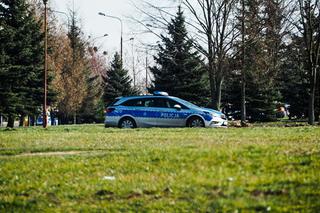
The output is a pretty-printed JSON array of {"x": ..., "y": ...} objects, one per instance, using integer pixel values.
[{"x": 108, "y": 110}]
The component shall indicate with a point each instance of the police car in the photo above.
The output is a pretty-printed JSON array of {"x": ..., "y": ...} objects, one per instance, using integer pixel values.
[
  {"x": 39, "y": 120},
  {"x": 160, "y": 110}
]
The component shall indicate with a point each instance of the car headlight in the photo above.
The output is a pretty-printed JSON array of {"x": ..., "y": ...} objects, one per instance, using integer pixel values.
[
  {"x": 215, "y": 115},
  {"x": 222, "y": 116}
]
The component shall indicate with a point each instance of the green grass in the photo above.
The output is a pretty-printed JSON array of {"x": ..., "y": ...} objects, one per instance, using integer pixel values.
[{"x": 263, "y": 169}]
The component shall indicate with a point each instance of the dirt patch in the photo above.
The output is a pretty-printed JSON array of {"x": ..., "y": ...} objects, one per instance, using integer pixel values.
[
  {"x": 57, "y": 153},
  {"x": 269, "y": 192}
]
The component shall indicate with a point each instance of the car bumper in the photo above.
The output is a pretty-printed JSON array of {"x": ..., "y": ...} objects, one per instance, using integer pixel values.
[
  {"x": 217, "y": 122},
  {"x": 111, "y": 121}
]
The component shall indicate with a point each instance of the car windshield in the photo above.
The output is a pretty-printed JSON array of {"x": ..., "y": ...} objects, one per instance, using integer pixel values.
[{"x": 186, "y": 103}]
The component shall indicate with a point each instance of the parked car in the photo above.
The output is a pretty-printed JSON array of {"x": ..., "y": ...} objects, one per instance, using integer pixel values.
[
  {"x": 39, "y": 120},
  {"x": 160, "y": 110}
]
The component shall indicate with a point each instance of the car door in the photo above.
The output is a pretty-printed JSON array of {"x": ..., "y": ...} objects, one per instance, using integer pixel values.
[
  {"x": 152, "y": 112},
  {"x": 164, "y": 113},
  {"x": 135, "y": 108},
  {"x": 180, "y": 115}
]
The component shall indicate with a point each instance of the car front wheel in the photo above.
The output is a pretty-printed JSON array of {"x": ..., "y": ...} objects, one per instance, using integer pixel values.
[
  {"x": 195, "y": 122},
  {"x": 127, "y": 123}
]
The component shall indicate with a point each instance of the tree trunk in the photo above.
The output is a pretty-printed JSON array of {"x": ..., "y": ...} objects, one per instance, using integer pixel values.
[
  {"x": 211, "y": 78},
  {"x": 10, "y": 121},
  {"x": 75, "y": 118},
  {"x": 243, "y": 76},
  {"x": 21, "y": 119},
  {"x": 311, "y": 116},
  {"x": 211, "y": 54},
  {"x": 243, "y": 100},
  {"x": 218, "y": 95}
]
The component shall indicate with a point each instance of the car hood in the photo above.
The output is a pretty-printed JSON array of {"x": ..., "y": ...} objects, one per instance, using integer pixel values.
[{"x": 212, "y": 110}]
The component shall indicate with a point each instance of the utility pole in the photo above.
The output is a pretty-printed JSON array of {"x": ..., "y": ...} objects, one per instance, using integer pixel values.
[
  {"x": 44, "y": 116},
  {"x": 147, "y": 71},
  {"x": 133, "y": 65},
  {"x": 243, "y": 75}
]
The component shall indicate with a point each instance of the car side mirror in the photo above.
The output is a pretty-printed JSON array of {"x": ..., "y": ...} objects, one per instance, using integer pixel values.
[{"x": 177, "y": 107}]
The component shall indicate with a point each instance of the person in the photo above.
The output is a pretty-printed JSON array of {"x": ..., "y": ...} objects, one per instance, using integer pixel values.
[
  {"x": 281, "y": 112},
  {"x": 25, "y": 121}
]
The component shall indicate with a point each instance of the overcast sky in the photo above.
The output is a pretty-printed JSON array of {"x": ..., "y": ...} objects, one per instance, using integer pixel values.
[{"x": 95, "y": 25}]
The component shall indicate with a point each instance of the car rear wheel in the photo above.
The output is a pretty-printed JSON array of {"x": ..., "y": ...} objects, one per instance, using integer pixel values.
[
  {"x": 127, "y": 123},
  {"x": 195, "y": 122}
]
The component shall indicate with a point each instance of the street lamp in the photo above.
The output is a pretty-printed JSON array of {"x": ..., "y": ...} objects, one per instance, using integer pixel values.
[
  {"x": 95, "y": 38},
  {"x": 44, "y": 116},
  {"x": 90, "y": 41},
  {"x": 114, "y": 17},
  {"x": 63, "y": 13},
  {"x": 133, "y": 68}
]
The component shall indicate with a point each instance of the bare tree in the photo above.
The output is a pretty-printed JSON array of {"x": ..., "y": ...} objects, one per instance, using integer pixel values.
[
  {"x": 213, "y": 25},
  {"x": 216, "y": 20},
  {"x": 310, "y": 29}
]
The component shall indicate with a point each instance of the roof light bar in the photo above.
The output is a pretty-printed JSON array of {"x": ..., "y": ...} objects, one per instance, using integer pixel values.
[{"x": 160, "y": 93}]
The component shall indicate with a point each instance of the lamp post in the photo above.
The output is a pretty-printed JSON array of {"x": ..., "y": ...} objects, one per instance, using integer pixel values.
[
  {"x": 44, "y": 116},
  {"x": 147, "y": 66},
  {"x": 90, "y": 41},
  {"x": 133, "y": 68},
  {"x": 63, "y": 13},
  {"x": 114, "y": 17},
  {"x": 95, "y": 38}
]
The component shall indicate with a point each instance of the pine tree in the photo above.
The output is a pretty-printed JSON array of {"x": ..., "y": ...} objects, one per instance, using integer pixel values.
[
  {"x": 21, "y": 60},
  {"x": 260, "y": 61},
  {"x": 180, "y": 70},
  {"x": 117, "y": 81},
  {"x": 90, "y": 105},
  {"x": 294, "y": 78}
]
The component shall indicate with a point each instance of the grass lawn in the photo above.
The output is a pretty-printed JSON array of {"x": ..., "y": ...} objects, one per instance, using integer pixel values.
[{"x": 90, "y": 168}]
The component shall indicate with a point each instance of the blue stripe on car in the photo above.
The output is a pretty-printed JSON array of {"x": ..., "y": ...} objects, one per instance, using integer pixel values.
[{"x": 155, "y": 114}]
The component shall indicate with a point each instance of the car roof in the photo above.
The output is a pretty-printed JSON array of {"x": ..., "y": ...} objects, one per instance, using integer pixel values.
[
  {"x": 120, "y": 100},
  {"x": 144, "y": 96}
]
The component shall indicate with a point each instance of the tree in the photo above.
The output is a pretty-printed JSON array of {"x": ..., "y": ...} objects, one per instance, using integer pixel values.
[
  {"x": 77, "y": 70},
  {"x": 72, "y": 74},
  {"x": 117, "y": 81},
  {"x": 310, "y": 29},
  {"x": 262, "y": 28},
  {"x": 179, "y": 70},
  {"x": 91, "y": 110},
  {"x": 293, "y": 78},
  {"x": 21, "y": 60},
  {"x": 216, "y": 22},
  {"x": 214, "y": 32}
]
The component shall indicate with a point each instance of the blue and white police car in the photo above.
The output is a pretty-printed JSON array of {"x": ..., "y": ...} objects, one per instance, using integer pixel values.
[{"x": 160, "y": 110}]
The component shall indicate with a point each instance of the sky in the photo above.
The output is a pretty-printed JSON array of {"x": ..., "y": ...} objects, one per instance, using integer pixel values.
[{"x": 96, "y": 26}]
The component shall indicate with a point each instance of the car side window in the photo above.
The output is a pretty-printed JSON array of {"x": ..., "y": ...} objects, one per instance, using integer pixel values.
[
  {"x": 148, "y": 102},
  {"x": 161, "y": 102},
  {"x": 157, "y": 102},
  {"x": 172, "y": 103},
  {"x": 134, "y": 103}
]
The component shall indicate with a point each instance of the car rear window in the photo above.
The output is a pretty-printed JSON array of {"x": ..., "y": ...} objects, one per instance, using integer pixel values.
[
  {"x": 113, "y": 102},
  {"x": 134, "y": 102}
]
